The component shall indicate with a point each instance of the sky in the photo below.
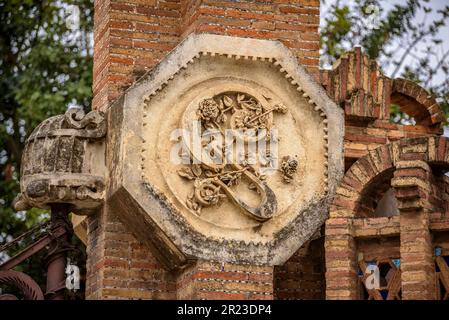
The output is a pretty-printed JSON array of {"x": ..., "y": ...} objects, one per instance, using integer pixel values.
[{"x": 418, "y": 50}]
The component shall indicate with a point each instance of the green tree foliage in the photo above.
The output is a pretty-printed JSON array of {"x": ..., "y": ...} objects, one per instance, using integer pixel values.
[
  {"x": 405, "y": 37},
  {"x": 45, "y": 66}
]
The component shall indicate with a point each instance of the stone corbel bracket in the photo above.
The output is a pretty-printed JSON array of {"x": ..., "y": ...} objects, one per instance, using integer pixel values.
[{"x": 64, "y": 162}]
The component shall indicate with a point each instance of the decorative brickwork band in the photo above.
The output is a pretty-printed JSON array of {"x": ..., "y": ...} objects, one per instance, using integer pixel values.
[
  {"x": 416, "y": 102},
  {"x": 358, "y": 85}
]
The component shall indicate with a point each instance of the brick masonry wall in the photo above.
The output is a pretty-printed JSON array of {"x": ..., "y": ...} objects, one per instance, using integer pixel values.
[
  {"x": 119, "y": 267},
  {"x": 224, "y": 281},
  {"x": 379, "y": 156},
  {"x": 293, "y": 22},
  {"x": 421, "y": 196},
  {"x": 302, "y": 276},
  {"x": 377, "y": 248},
  {"x": 359, "y": 140},
  {"x": 132, "y": 36},
  {"x": 357, "y": 84}
]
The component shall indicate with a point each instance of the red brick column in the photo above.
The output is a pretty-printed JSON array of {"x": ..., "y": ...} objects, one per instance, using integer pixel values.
[
  {"x": 293, "y": 22},
  {"x": 130, "y": 38},
  {"x": 120, "y": 267},
  {"x": 215, "y": 280},
  {"x": 412, "y": 187},
  {"x": 341, "y": 260}
]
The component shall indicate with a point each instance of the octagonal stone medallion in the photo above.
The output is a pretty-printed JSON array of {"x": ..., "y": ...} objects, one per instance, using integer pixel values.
[{"x": 257, "y": 212}]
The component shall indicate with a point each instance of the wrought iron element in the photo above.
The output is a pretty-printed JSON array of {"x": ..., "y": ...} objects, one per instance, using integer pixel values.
[
  {"x": 38, "y": 228},
  {"x": 57, "y": 254},
  {"x": 27, "y": 286},
  {"x": 442, "y": 277},
  {"x": 57, "y": 237},
  {"x": 59, "y": 163},
  {"x": 37, "y": 246}
]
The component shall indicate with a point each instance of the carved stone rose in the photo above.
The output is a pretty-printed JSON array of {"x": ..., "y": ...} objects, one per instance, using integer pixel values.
[{"x": 208, "y": 110}]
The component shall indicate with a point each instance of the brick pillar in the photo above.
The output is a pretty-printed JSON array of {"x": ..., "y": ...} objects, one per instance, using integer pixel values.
[
  {"x": 293, "y": 22},
  {"x": 341, "y": 260},
  {"x": 130, "y": 38},
  {"x": 412, "y": 187},
  {"x": 119, "y": 267},
  {"x": 224, "y": 281}
]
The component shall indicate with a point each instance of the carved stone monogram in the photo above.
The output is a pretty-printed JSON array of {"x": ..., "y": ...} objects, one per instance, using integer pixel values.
[
  {"x": 228, "y": 150},
  {"x": 249, "y": 119}
]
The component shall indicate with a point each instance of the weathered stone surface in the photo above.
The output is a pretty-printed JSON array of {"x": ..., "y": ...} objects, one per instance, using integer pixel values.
[
  {"x": 152, "y": 194},
  {"x": 64, "y": 162}
]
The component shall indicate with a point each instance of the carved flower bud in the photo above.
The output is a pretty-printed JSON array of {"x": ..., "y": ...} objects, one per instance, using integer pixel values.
[
  {"x": 280, "y": 108},
  {"x": 207, "y": 192},
  {"x": 288, "y": 167},
  {"x": 208, "y": 110}
]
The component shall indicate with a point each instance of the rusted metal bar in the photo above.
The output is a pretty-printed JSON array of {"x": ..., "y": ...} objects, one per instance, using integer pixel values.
[
  {"x": 32, "y": 249},
  {"x": 57, "y": 256},
  {"x": 38, "y": 227}
]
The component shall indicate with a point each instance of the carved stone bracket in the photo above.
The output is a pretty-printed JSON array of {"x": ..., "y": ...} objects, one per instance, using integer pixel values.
[{"x": 63, "y": 162}]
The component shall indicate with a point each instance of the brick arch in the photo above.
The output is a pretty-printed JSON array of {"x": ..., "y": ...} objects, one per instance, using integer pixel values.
[
  {"x": 416, "y": 102},
  {"x": 358, "y": 179},
  {"x": 381, "y": 163},
  {"x": 414, "y": 162},
  {"x": 359, "y": 86}
]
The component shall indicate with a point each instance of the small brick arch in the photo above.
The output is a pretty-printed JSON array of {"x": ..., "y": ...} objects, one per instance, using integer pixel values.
[
  {"x": 412, "y": 164},
  {"x": 358, "y": 84},
  {"x": 416, "y": 102},
  {"x": 382, "y": 162}
]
